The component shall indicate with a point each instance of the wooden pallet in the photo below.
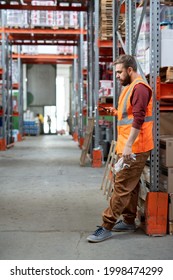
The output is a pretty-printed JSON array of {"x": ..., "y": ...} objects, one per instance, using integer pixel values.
[
  {"x": 106, "y": 20},
  {"x": 87, "y": 141},
  {"x": 108, "y": 182}
]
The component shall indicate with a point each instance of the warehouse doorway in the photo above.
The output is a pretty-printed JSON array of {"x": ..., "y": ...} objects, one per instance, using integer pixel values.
[{"x": 50, "y": 114}]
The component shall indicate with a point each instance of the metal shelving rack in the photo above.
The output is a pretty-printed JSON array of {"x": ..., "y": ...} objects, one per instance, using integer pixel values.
[
  {"x": 54, "y": 36},
  {"x": 96, "y": 71},
  {"x": 90, "y": 58},
  {"x": 6, "y": 138},
  {"x": 80, "y": 80},
  {"x": 90, "y": 66},
  {"x": 129, "y": 46},
  {"x": 20, "y": 98}
]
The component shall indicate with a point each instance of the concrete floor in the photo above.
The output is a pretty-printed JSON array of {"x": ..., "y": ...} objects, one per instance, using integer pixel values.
[{"x": 49, "y": 205}]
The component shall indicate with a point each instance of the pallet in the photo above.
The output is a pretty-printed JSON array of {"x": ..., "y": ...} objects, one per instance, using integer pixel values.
[
  {"x": 47, "y": 27},
  {"x": 87, "y": 141},
  {"x": 106, "y": 20},
  {"x": 108, "y": 182}
]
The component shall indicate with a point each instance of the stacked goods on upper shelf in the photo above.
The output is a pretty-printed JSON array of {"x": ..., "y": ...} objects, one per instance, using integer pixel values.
[
  {"x": 64, "y": 19},
  {"x": 106, "y": 21},
  {"x": 42, "y": 18},
  {"x": 65, "y": 50},
  {"x": 67, "y": 19},
  {"x": 16, "y": 18}
]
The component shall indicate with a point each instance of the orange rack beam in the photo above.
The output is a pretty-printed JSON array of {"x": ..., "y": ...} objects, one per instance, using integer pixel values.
[
  {"x": 105, "y": 44},
  {"x": 42, "y": 31}
]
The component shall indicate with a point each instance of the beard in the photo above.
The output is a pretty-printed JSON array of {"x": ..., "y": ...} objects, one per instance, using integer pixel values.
[{"x": 126, "y": 81}]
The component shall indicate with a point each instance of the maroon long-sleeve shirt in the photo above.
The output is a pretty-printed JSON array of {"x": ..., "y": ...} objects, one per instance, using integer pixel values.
[{"x": 139, "y": 100}]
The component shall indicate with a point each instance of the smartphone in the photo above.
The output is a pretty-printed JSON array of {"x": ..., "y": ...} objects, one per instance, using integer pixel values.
[{"x": 107, "y": 110}]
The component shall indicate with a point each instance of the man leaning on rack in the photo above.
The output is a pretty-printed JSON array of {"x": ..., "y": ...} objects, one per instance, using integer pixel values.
[{"x": 135, "y": 136}]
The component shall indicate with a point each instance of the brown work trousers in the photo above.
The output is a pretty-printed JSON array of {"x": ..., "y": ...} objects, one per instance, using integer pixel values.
[{"x": 124, "y": 197}]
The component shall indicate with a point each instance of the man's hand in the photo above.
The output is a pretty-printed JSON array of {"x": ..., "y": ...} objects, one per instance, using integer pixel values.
[
  {"x": 127, "y": 152},
  {"x": 111, "y": 111},
  {"x": 128, "y": 146}
]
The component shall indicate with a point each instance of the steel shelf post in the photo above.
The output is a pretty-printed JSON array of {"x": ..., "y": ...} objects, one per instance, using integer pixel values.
[
  {"x": 90, "y": 59},
  {"x": 154, "y": 73},
  {"x": 20, "y": 99},
  {"x": 132, "y": 34},
  {"x": 96, "y": 73},
  {"x": 74, "y": 93},
  {"x": 80, "y": 79},
  {"x": 115, "y": 16},
  {"x": 130, "y": 26}
]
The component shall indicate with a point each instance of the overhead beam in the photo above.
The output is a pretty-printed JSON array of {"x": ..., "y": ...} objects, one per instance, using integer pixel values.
[
  {"x": 21, "y": 43},
  {"x": 43, "y": 31},
  {"x": 42, "y": 8},
  {"x": 44, "y": 56}
]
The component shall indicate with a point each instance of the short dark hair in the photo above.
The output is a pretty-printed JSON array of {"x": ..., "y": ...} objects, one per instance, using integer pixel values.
[{"x": 127, "y": 61}]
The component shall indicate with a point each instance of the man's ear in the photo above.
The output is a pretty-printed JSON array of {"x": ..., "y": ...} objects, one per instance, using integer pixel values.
[{"x": 130, "y": 70}]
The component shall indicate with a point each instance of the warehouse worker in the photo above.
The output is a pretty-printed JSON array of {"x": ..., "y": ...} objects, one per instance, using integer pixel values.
[
  {"x": 49, "y": 123},
  {"x": 135, "y": 136},
  {"x": 41, "y": 121}
]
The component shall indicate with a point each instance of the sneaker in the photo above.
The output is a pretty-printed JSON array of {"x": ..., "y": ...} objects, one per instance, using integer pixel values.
[
  {"x": 122, "y": 226},
  {"x": 99, "y": 235}
]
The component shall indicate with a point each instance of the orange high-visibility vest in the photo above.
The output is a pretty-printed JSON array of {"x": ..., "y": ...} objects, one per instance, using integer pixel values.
[{"x": 144, "y": 141}]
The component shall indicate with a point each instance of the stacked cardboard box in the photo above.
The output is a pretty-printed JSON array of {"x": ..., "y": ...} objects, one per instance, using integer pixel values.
[
  {"x": 169, "y": 75},
  {"x": 166, "y": 173}
]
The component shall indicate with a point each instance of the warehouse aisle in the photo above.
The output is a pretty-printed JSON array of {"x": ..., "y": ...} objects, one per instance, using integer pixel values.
[{"x": 49, "y": 205}]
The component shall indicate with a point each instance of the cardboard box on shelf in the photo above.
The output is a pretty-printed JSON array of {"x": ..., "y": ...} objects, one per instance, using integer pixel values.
[
  {"x": 166, "y": 127},
  {"x": 166, "y": 42},
  {"x": 166, "y": 151},
  {"x": 106, "y": 83},
  {"x": 165, "y": 180},
  {"x": 169, "y": 74}
]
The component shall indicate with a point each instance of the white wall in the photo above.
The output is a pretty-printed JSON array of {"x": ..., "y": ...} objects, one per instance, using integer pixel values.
[
  {"x": 62, "y": 95},
  {"x": 24, "y": 88}
]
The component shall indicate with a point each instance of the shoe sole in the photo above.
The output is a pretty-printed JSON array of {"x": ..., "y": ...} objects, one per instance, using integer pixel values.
[
  {"x": 124, "y": 230},
  {"x": 96, "y": 241}
]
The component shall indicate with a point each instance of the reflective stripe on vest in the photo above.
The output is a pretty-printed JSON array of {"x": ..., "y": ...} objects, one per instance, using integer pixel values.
[
  {"x": 124, "y": 111},
  {"x": 130, "y": 121},
  {"x": 125, "y": 120}
]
